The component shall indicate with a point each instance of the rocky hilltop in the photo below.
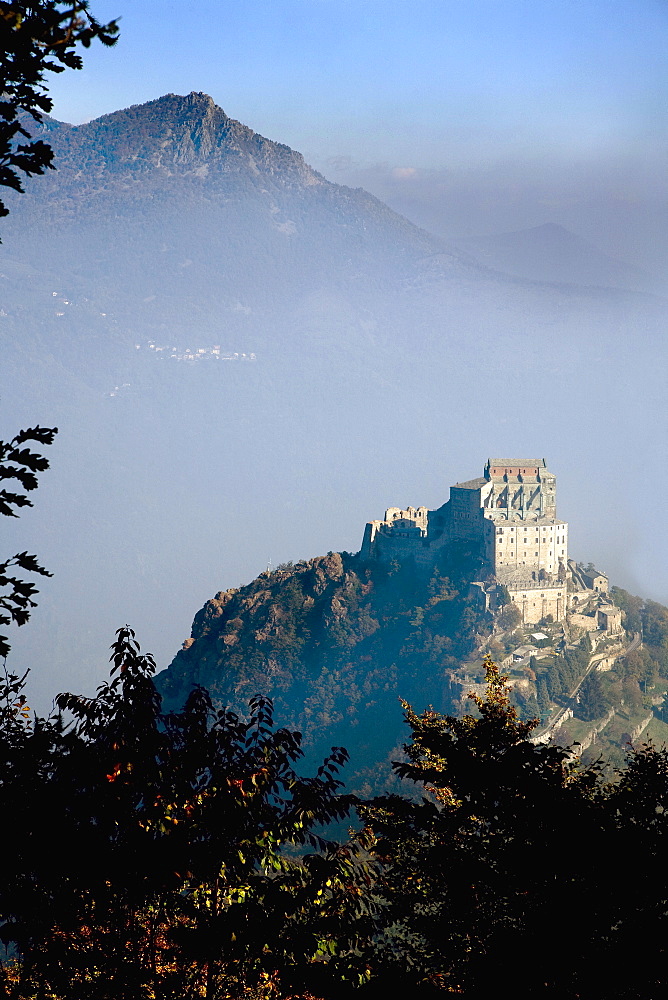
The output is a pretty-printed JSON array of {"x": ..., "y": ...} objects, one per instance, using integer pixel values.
[{"x": 337, "y": 641}]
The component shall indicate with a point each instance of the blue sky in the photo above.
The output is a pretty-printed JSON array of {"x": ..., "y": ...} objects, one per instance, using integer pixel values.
[{"x": 540, "y": 96}]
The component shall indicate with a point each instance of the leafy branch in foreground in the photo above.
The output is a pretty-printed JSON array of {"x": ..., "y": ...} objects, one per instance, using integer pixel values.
[
  {"x": 21, "y": 465},
  {"x": 36, "y": 37}
]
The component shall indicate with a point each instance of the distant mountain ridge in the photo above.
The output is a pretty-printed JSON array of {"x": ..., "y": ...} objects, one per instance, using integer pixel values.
[
  {"x": 188, "y": 148},
  {"x": 196, "y": 217},
  {"x": 550, "y": 252},
  {"x": 174, "y": 201}
]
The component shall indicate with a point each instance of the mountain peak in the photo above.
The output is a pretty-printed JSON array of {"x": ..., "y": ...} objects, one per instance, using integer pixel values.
[
  {"x": 182, "y": 134},
  {"x": 195, "y": 103},
  {"x": 163, "y": 114}
]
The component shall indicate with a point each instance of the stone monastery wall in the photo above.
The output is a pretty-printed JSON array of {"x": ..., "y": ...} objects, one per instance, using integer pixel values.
[{"x": 510, "y": 512}]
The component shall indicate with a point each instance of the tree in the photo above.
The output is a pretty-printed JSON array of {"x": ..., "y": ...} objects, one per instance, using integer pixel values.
[
  {"x": 510, "y": 616},
  {"x": 631, "y": 606},
  {"x": 37, "y": 38},
  {"x": 592, "y": 704},
  {"x": 543, "y": 696},
  {"x": 506, "y": 853},
  {"x": 177, "y": 856}
]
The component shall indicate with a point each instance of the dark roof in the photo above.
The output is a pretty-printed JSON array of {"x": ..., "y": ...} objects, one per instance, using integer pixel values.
[
  {"x": 471, "y": 484},
  {"x": 591, "y": 575}
]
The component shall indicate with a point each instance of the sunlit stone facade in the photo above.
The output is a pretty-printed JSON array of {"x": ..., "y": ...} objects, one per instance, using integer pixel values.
[{"x": 509, "y": 514}]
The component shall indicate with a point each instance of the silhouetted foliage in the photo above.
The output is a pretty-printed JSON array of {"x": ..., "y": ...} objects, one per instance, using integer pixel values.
[
  {"x": 515, "y": 854},
  {"x": 36, "y": 38},
  {"x": 21, "y": 465},
  {"x": 154, "y": 855},
  {"x": 179, "y": 856}
]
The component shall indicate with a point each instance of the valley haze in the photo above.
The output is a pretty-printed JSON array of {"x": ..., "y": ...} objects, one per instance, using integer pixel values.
[{"x": 246, "y": 361}]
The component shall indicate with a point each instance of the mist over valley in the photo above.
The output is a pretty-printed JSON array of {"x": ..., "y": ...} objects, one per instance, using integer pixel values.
[{"x": 247, "y": 362}]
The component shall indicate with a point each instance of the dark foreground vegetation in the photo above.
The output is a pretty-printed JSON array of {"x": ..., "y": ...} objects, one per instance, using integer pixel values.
[{"x": 178, "y": 855}]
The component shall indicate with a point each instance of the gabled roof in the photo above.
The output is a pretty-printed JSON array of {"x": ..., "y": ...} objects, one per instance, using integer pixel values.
[{"x": 593, "y": 575}]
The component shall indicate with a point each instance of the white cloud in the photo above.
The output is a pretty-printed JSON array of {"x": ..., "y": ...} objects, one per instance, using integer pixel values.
[{"x": 404, "y": 173}]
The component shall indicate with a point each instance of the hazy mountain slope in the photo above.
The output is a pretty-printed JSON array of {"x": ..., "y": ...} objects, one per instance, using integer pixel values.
[
  {"x": 385, "y": 366},
  {"x": 175, "y": 203},
  {"x": 170, "y": 219},
  {"x": 552, "y": 253}
]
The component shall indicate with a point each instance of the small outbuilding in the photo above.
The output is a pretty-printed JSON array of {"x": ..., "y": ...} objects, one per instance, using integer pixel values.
[
  {"x": 598, "y": 582},
  {"x": 610, "y": 619},
  {"x": 522, "y": 652}
]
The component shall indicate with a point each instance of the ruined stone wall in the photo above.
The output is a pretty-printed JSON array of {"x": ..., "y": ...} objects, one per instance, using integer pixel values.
[
  {"x": 416, "y": 515},
  {"x": 395, "y": 546},
  {"x": 401, "y": 535},
  {"x": 465, "y": 514}
]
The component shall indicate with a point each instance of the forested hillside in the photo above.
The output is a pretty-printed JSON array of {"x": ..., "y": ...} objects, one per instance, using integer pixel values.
[{"x": 335, "y": 642}]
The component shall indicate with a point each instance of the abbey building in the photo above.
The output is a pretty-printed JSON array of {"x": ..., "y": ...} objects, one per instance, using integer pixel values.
[{"x": 508, "y": 517}]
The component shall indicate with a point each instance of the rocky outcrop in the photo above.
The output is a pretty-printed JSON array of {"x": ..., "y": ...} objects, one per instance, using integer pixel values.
[{"x": 335, "y": 641}]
